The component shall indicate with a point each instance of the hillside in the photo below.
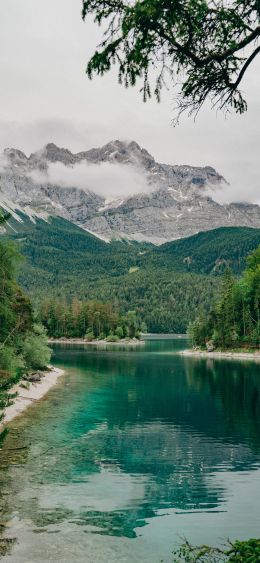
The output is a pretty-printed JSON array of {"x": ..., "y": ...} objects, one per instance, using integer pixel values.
[
  {"x": 209, "y": 252},
  {"x": 60, "y": 254},
  {"x": 166, "y": 285}
]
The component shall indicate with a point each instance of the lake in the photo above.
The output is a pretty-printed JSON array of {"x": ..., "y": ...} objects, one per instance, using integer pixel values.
[{"x": 133, "y": 450}]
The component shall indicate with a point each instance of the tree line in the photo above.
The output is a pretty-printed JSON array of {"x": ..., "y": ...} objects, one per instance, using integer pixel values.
[
  {"x": 234, "y": 319},
  {"x": 88, "y": 319},
  {"x": 165, "y": 285}
]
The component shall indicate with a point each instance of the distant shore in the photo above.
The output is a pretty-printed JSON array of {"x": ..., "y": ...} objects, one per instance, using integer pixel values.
[
  {"x": 125, "y": 341},
  {"x": 217, "y": 354},
  {"x": 26, "y": 397}
]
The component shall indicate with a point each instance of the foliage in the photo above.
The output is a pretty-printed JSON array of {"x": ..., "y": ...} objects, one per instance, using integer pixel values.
[
  {"x": 232, "y": 552},
  {"x": 22, "y": 345},
  {"x": 35, "y": 349},
  {"x": 89, "y": 336},
  {"x": 119, "y": 332},
  {"x": 206, "y": 45},
  {"x": 112, "y": 338},
  {"x": 10, "y": 361},
  {"x": 167, "y": 288},
  {"x": 234, "y": 320},
  {"x": 4, "y": 217},
  {"x": 87, "y": 319},
  {"x": 210, "y": 252}
]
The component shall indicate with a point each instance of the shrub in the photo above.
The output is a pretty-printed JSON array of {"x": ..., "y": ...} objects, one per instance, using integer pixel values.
[
  {"x": 112, "y": 338},
  {"x": 35, "y": 349},
  {"x": 10, "y": 362},
  {"x": 90, "y": 336},
  {"x": 119, "y": 332}
]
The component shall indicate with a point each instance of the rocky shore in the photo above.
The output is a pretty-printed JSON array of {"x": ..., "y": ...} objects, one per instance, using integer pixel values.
[
  {"x": 30, "y": 390},
  {"x": 123, "y": 341},
  {"x": 217, "y": 354}
]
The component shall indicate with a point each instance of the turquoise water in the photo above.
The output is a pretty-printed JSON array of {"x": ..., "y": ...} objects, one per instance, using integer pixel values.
[{"x": 133, "y": 450}]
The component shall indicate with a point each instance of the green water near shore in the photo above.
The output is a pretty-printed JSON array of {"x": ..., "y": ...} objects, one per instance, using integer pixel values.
[{"x": 132, "y": 450}]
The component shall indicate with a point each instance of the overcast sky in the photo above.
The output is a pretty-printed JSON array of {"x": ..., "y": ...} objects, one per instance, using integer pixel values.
[{"x": 45, "y": 96}]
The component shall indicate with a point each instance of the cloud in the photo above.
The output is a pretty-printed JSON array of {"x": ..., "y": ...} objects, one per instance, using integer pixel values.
[
  {"x": 3, "y": 162},
  {"x": 30, "y": 136},
  {"x": 235, "y": 193},
  {"x": 110, "y": 180},
  {"x": 46, "y": 97},
  {"x": 241, "y": 187}
]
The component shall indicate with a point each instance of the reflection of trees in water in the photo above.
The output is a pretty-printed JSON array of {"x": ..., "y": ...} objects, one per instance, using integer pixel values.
[
  {"x": 235, "y": 387},
  {"x": 167, "y": 422},
  {"x": 14, "y": 453}
]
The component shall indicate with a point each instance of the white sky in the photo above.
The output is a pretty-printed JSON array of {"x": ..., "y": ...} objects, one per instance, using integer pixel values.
[{"x": 45, "y": 96}]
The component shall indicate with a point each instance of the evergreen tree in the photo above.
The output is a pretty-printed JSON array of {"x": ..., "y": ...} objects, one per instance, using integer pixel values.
[
  {"x": 23, "y": 345},
  {"x": 234, "y": 320}
]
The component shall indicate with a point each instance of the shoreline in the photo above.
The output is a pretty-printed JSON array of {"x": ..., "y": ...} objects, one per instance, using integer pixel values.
[
  {"x": 26, "y": 397},
  {"x": 127, "y": 342},
  {"x": 215, "y": 354}
]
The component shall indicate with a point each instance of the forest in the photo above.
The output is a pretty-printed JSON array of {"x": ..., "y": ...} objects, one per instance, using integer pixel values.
[
  {"x": 167, "y": 285},
  {"x": 88, "y": 319},
  {"x": 81, "y": 286},
  {"x": 23, "y": 342},
  {"x": 234, "y": 319}
]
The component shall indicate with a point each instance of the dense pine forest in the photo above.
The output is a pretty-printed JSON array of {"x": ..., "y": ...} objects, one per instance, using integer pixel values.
[
  {"x": 234, "y": 319},
  {"x": 90, "y": 320},
  {"x": 166, "y": 286}
]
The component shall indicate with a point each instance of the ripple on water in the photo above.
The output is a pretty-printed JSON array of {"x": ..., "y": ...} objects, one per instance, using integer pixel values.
[{"x": 132, "y": 452}]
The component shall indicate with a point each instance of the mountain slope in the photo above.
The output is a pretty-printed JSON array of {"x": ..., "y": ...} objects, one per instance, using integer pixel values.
[
  {"x": 59, "y": 255},
  {"x": 166, "y": 285},
  {"x": 209, "y": 252},
  {"x": 171, "y": 202}
]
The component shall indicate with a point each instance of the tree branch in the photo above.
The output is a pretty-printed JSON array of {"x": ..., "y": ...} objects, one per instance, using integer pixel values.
[{"x": 244, "y": 68}]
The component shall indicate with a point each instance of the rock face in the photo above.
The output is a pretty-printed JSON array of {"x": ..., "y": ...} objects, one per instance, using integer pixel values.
[{"x": 175, "y": 205}]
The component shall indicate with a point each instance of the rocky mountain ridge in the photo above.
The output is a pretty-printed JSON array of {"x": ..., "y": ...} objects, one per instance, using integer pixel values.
[{"x": 174, "y": 205}]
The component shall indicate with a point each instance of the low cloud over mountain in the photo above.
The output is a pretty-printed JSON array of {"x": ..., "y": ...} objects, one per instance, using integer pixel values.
[{"x": 119, "y": 190}]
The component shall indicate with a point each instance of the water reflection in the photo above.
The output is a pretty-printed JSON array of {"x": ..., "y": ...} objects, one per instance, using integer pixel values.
[
  {"x": 133, "y": 435},
  {"x": 235, "y": 387}
]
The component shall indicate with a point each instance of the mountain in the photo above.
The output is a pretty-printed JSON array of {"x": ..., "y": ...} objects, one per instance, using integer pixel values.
[
  {"x": 165, "y": 285},
  {"x": 173, "y": 204}
]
